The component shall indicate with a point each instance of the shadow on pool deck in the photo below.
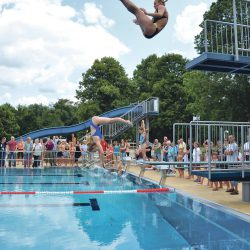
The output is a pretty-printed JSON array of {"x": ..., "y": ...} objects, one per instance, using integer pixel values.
[{"x": 202, "y": 191}]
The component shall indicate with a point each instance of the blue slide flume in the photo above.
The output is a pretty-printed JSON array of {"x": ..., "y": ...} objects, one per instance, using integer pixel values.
[{"x": 41, "y": 133}]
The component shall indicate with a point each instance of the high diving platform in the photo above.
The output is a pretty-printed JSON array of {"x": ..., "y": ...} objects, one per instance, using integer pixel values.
[
  {"x": 224, "y": 46},
  {"x": 216, "y": 62}
]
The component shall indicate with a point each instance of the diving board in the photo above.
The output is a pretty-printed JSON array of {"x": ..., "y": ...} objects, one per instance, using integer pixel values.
[
  {"x": 217, "y": 62},
  {"x": 224, "y": 175}
]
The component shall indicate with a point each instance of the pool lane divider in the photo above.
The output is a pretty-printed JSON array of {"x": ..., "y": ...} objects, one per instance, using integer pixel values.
[
  {"x": 134, "y": 191},
  {"x": 45, "y": 183},
  {"x": 93, "y": 203}
]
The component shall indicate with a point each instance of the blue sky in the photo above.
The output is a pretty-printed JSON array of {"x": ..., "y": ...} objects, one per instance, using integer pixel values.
[{"x": 45, "y": 45}]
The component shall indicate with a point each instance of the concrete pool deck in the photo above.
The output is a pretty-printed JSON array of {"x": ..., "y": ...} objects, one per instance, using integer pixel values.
[{"x": 202, "y": 191}]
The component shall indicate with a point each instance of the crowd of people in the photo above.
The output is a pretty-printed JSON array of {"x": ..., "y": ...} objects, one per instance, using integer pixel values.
[
  {"x": 223, "y": 155},
  {"x": 54, "y": 151}
]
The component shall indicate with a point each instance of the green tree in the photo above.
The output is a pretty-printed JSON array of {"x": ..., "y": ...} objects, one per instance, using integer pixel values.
[
  {"x": 142, "y": 77},
  {"x": 164, "y": 79},
  {"x": 217, "y": 96},
  {"x": 103, "y": 87},
  {"x": 65, "y": 110},
  {"x": 8, "y": 122},
  {"x": 207, "y": 95}
]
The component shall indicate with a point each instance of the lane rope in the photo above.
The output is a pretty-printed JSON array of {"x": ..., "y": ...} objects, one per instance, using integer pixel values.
[{"x": 152, "y": 190}]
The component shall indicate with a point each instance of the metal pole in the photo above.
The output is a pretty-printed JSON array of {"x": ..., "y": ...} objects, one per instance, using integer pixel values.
[
  {"x": 191, "y": 147},
  {"x": 147, "y": 127},
  {"x": 137, "y": 134},
  {"x": 209, "y": 152},
  {"x": 205, "y": 36},
  {"x": 242, "y": 151},
  {"x": 220, "y": 151},
  {"x": 235, "y": 32},
  {"x": 174, "y": 135}
]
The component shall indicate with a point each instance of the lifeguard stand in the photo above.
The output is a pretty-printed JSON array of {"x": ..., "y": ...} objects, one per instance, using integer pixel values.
[{"x": 227, "y": 45}]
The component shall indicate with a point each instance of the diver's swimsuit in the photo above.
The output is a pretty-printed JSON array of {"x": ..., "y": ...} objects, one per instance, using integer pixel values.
[
  {"x": 97, "y": 130},
  {"x": 142, "y": 139},
  {"x": 154, "y": 20}
]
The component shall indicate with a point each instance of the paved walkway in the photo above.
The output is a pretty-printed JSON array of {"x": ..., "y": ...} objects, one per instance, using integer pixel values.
[{"x": 202, "y": 191}]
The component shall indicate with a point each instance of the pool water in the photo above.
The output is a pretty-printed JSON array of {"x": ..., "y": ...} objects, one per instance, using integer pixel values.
[{"x": 118, "y": 221}]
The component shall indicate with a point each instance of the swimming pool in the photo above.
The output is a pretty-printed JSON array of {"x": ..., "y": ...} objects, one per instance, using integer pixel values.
[{"x": 118, "y": 221}]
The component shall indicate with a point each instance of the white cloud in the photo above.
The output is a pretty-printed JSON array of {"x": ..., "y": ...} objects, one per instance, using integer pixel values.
[
  {"x": 40, "y": 99},
  {"x": 187, "y": 23},
  {"x": 189, "y": 53},
  {"x": 44, "y": 48},
  {"x": 6, "y": 96},
  {"x": 93, "y": 15}
]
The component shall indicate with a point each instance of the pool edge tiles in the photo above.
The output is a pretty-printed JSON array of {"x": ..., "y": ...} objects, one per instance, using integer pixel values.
[
  {"x": 216, "y": 205},
  {"x": 186, "y": 185}
]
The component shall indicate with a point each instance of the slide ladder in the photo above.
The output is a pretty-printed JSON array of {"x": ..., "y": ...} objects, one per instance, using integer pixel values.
[{"x": 143, "y": 109}]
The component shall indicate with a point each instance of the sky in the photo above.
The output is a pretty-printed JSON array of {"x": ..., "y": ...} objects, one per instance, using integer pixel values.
[{"x": 46, "y": 45}]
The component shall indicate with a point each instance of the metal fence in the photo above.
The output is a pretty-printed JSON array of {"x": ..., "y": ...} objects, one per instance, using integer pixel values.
[
  {"x": 51, "y": 158},
  {"x": 212, "y": 137}
]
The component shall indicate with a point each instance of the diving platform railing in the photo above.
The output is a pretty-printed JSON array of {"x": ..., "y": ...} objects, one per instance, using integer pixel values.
[
  {"x": 219, "y": 37},
  {"x": 226, "y": 43}
]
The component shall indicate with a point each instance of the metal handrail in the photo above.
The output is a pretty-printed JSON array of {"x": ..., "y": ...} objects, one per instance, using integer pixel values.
[
  {"x": 230, "y": 38},
  {"x": 135, "y": 114}
]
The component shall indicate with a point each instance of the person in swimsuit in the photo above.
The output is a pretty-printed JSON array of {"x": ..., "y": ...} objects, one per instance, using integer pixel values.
[
  {"x": 150, "y": 27},
  {"x": 142, "y": 139},
  {"x": 96, "y": 134}
]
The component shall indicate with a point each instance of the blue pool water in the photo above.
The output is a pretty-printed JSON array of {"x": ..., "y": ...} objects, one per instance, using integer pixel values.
[{"x": 122, "y": 222}]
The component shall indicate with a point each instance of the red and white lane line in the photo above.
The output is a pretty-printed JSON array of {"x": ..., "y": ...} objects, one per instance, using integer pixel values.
[{"x": 152, "y": 190}]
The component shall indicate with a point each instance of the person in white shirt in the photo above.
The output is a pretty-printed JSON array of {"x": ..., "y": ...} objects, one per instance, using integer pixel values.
[
  {"x": 232, "y": 153},
  {"x": 197, "y": 158},
  {"x": 84, "y": 149},
  {"x": 246, "y": 150},
  {"x": 37, "y": 151}
]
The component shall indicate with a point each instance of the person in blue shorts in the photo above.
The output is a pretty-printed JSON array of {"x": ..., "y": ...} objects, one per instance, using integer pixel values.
[
  {"x": 96, "y": 134},
  {"x": 149, "y": 26}
]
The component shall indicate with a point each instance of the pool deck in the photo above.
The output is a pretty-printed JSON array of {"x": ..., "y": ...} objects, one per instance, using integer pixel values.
[{"x": 202, "y": 191}]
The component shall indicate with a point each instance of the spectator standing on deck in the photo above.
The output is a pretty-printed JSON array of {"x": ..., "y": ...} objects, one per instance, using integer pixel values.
[
  {"x": 148, "y": 150},
  {"x": 181, "y": 152},
  {"x": 104, "y": 145},
  {"x": 78, "y": 152},
  {"x": 196, "y": 158},
  {"x": 127, "y": 145},
  {"x": 232, "y": 153},
  {"x": 3, "y": 146},
  {"x": 117, "y": 152},
  {"x": 171, "y": 158},
  {"x": 157, "y": 150},
  {"x": 49, "y": 145},
  {"x": 20, "y": 148},
  {"x": 28, "y": 147},
  {"x": 246, "y": 150},
  {"x": 37, "y": 151},
  {"x": 11, "y": 149}
]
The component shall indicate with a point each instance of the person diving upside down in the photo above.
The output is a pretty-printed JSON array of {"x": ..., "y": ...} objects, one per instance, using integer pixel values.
[
  {"x": 150, "y": 27},
  {"x": 96, "y": 134}
]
